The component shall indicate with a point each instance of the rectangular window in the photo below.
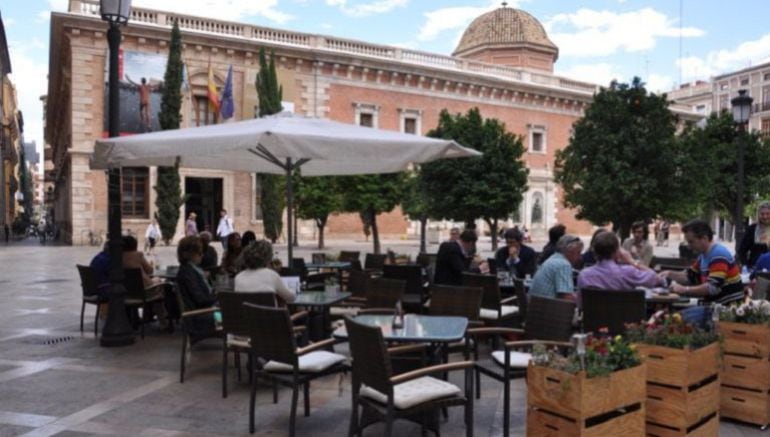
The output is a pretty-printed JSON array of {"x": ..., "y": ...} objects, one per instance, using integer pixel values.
[
  {"x": 765, "y": 130},
  {"x": 724, "y": 101},
  {"x": 204, "y": 114},
  {"x": 723, "y": 86},
  {"x": 744, "y": 81},
  {"x": 410, "y": 125},
  {"x": 135, "y": 189},
  {"x": 766, "y": 77},
  {"x": 537, "y": 142},
  {"x": 700, "y": 109},
  {"x": 366, "y": 119}
]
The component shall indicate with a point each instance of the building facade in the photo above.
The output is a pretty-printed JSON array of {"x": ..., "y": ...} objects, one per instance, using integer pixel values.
[
  {"x": 503, "y": 66},
  {"x": 10, "y": 134}
]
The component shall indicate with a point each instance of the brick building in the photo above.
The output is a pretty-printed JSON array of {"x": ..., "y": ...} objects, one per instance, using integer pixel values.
[{"x": 503, "y": 65}]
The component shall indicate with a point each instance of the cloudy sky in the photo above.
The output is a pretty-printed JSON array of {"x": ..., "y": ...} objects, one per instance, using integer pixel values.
[{"x": 665, "y": 42}]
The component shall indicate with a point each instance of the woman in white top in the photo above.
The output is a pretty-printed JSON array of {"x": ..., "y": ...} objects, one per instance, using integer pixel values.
[
  {"x": 151, "y": 236},
  {"x": 258, "y": 277}
]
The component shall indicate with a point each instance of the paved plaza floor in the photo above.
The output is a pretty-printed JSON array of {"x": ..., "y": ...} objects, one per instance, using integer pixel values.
[{"x": 55, "y": 380}]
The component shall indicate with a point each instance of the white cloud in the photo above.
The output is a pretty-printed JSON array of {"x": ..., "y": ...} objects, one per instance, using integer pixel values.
[
  {"x": 600, "y": 73},
  {"x": 8, "y": 22},
  {"x": 364, "y": 9},
  {"x": 327, "y": 26},
  {"x": 721, "y": 61},
  {"x": 458, "y": 18},
  {"x": 230, "y": 10},
  {"x": 600, "y": 33},
  {"x": 659, "y": 83}
]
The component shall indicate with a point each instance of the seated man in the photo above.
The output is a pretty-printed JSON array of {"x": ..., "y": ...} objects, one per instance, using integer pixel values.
[
  {"x": 516, "y": 257},
  {"x": 637, "y": 245},
  {"x": 714, "y": 276},
  {"x": 101, "y": 267},
  {"x": 554, "y": 277},
  {"x": 454, "y": 258},
  {"x": 615, "y": 268}
]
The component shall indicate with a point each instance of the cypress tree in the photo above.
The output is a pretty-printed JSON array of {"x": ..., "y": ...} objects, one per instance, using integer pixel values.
[
  {"x": 168, "y": 190},
  {"x": 271, "y": 186}
]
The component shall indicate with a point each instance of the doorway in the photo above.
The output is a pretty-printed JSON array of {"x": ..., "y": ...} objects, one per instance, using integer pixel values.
[{"x": 204, "y": 198}]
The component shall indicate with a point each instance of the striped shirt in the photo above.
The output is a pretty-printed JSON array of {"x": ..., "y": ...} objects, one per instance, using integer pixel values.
[{"x": 718, "y": 269}]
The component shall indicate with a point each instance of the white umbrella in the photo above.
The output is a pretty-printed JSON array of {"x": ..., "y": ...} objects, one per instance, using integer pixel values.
[{"x": 278, "y": 145}]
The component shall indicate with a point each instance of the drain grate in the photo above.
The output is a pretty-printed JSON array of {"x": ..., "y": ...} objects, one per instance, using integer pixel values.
[{"x": 48, "y": 341}]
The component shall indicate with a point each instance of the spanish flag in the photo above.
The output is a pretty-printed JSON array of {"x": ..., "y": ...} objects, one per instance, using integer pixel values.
[{"x": 212, "y": 92}]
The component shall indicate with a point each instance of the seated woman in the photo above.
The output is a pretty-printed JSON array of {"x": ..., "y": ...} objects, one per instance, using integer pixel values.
[
  {"x": 231, "y": 258},
  {"x": 193, "y": 287},
  {"x": 134, "y": 259},
  {"x": 257, "y": 276}
]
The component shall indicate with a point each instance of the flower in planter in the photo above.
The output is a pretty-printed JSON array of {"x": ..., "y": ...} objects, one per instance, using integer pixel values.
[
  {"x": 754, "y": 312},
  {"x": 670, "y": 330},
  {"x": 603, "y": 355}
]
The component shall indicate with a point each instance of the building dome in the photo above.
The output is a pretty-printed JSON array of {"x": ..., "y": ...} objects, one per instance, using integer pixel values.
[{"x": 506, "y": 29}]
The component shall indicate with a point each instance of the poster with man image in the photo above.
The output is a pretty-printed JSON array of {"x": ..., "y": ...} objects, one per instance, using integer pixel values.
[{"x": 140, "y": 82}]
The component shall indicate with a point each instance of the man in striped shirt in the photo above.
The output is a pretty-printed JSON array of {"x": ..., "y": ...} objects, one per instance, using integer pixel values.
[{"x": 714, "y": 276}]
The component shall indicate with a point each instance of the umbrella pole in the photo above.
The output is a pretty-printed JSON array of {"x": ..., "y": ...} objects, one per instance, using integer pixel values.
[{"x": 289, "y": 211}]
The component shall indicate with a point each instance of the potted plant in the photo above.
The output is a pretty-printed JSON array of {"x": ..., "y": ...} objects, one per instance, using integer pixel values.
[
  {"x": 683, "y": 364},
  {"x": 598, "y": 389},
  {"x": 746, "y": 361}
]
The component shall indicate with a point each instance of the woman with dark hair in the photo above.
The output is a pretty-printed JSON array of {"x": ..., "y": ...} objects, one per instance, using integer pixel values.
[
  {"x": 230, "y": 259},
  {"x": 589, "y": 257},
  {"x": 193, "y": 287},
  {"x": 257, "y": 276},
  {"x": 248, "y": 238}
]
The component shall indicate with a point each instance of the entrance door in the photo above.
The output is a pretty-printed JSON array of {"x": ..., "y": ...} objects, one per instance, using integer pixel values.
[{"x": 204, "y": 198}]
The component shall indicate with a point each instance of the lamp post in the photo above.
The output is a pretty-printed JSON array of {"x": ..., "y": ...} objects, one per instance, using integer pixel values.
[
  {"x": 741, "y": 106},
  {"x": 117, "y": 331}
]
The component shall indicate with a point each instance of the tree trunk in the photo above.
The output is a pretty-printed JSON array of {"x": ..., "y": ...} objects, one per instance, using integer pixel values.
[
  {"x": 623, "y": 229},
  {"x": 375, "y": 233},
  {"x": 423, "y": 245},
  {"x": 493, "y": 234},
  {"x": 296, "y": 230},
  {"x": 321, "y": 224},
  {"x": 470, "y": 224}
]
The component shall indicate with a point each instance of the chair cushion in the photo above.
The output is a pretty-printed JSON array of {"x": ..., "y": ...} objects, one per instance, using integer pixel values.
[
  {"x": 238, "y": 341},
  {"x": 312, "y": 362},
  {"x": 506, "y": 310},
  {"x": 519, "y": 360},
  {"x": 415, "y": 392},
  {"x": 343, "y": 311}
]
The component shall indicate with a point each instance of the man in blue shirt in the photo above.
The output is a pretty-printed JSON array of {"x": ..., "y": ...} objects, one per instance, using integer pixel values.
[
  {"x": 554, "y": 277},
  {"x": 101, "y": 267}
]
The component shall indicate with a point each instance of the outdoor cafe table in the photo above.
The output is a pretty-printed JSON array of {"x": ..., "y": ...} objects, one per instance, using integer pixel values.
[
  {"x": 320, "y": 301},
  {"x": 417, "y": 328},
  {"x": 332, "y": 265}
]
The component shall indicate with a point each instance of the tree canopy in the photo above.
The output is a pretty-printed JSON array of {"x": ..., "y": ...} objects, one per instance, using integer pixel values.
[
  {"x": 270, "y": 94},
  {"x": 623, "y": 162},
  {"x": 316, "y": 198},
  {"x": 415, "y": 204},
  {"x": 490, "y": 186},
  {"x": 168, "y": 188},
  {"x": 370, "y": 195}
]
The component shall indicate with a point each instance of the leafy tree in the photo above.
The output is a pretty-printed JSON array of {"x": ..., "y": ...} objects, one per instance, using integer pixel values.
[
  {"x": 168, "y": 189},
  {"x": 370, "y": 195},
  {"x": 415, "y": 205},
  {"x": 623, "y": 163},
  {"x": 714, "y": 168},
  {"x": 488, "y": 187},
  {"x": 25, "y": 186},
  {"x": 270, "y": 94},
  {"x": 316, "y": 198}
]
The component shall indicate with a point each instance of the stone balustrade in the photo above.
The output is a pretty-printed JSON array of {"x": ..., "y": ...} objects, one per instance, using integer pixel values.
[{"x": 339, "y": 45}]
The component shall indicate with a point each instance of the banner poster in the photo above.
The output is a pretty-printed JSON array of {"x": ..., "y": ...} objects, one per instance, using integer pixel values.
[{"x": 140, "y": 85}]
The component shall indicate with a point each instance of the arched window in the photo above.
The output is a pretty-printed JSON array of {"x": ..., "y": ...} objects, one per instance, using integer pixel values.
[{"x": 537, "y": 208}]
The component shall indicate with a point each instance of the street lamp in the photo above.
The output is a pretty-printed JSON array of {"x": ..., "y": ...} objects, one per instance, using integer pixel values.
[
  {"x": 741, "y": 112},
  {"x": 117, "y": 331}
]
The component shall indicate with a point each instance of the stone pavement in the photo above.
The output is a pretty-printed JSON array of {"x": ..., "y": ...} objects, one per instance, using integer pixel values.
[{"x": 56, "y": 381}]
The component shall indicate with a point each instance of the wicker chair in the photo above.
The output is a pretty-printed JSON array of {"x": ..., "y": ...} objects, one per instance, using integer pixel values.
[
  {"x": 349, "y": 256},
  {"x": 274, "y": 351},
  {"x": 374, "y": 262},
  {"x": 140, "y": 297},
  {"x": 357, "y": 283},
  {"x": 391, "y": 397},
  {"x": 549, "y": 321},
  {"x": 495, "y": 311},
  {"x": 188, "y": 318},
  {"x": 382, "y": 295},
  {"x": 415, "y": 294},
  {"x": 612, "y": 309},
  {"x": 90, "y": 295},
  {"x": 450, "y": 300}
]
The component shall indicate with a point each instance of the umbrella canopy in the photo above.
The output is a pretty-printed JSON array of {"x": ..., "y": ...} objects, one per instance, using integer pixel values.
[{"x": 325, "y": 148}]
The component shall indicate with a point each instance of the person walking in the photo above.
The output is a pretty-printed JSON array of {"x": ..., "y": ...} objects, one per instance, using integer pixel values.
[
  {"x": 191, "y": 226},
  {"x": 151, "y": 236},
  {"x": 224, "y": 228}
]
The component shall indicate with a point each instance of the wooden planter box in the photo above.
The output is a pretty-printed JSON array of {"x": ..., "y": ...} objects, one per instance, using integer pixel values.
[
  {"x": 560, "y": 403},
  {"x": 682, "y": 390},
  {"x": 746, "y": 372}
]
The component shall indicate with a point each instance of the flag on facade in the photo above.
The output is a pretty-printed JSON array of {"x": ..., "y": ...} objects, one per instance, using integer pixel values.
[
  {"x": 227, "y": 106},
  {"x": 212, "y": 92}
]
